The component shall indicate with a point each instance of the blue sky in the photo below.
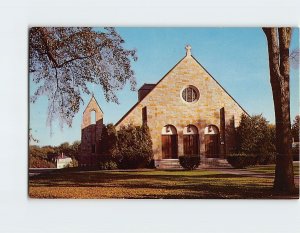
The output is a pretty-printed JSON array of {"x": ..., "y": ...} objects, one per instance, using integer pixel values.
[{"x": 236, "y": 57}]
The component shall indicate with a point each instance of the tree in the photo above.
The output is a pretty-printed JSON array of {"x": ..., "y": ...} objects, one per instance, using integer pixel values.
[
  {"x": 108, "y": 141},
  {"x": 70, "y": 150},
  {"x": 255, "y": 136},
  {"x": 278, "y": 40},
  {"x": 295, "y": 128},
  {"x": 134, "y": 147},
  {"x": 62, "y": 61},
  {"x": 31, "y": 137},
  {"x": 294, "y": 58}
]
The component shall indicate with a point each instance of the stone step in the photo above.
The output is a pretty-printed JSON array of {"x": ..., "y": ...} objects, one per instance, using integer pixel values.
[
  {"x": 167, "y": 164},
  {"x": 205, "y": 163},
  {"x": 213, "y": 162}
]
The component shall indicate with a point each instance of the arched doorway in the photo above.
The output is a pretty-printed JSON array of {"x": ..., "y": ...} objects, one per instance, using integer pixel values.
[
  {"x": 169, "y": 142},
  {"x": 212, "y": 141},
  {"x": 190, "y": 140}
]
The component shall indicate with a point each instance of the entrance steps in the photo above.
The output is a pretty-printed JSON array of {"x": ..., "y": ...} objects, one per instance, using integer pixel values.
[
  {"x": 214, "y": 163},
  {"x": 169, "y": 164}
]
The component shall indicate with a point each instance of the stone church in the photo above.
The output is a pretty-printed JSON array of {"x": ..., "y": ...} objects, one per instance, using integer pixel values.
[{"x": 187, "y": 111}]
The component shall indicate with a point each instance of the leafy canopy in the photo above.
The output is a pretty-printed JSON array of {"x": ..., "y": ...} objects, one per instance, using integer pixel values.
[
  {"x": 255, "y": 135},
  {"x": 62, "y": 61}
]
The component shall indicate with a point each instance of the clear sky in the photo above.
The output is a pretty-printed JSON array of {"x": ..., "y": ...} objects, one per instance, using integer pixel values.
[{"x": 236, "y": 57}]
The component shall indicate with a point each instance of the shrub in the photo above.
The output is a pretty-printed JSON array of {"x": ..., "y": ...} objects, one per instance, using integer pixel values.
[
  {"x": 133, "y": 148},
  {"x": 241, "y": 160},
  {"x": 255, "y": 136},
  {"x": 189, "y": 162},
  {"x": 107, "y": 165},
  {"x": 108, "y": 143},
  {"x": 266, "y": 158},
  {"x": 295, "y": 151},
  {"x": 295, "y": 129},
  {"x": 38, "y": 162}
]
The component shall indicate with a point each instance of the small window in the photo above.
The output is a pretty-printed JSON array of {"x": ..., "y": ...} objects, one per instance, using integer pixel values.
[
  {"x": 93, "y": 117},
  {"x": 190, "y": 94},
  {"x": 93, "y": 148},
  {"x": 144, "y": 115}
]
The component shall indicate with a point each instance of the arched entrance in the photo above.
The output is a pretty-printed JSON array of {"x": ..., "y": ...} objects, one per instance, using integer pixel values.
[
  {"x": 212, "y": 141},
  {"x": 169, "y": 142},
  {"x": 190, "y": 140}
]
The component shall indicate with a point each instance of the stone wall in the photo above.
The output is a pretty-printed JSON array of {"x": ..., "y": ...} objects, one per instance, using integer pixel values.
[
  {"x": 91, "y": 134},
  {"x": 166, "y": 106}
]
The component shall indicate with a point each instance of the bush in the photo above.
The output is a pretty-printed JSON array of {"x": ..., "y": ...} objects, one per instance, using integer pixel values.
[
  {"x": 107, "y": 165},
  {"x": 266, "y": 158},
  {"x": 241, "y": 160},
  {"x": 295, "y": 152},
  {"x": 134, "y": 147},
  {"x": 189, "y": 162},
  {"x": 108, "y": 143},
  {"x": 37, "y": 162},
  {"x": 255, "y": 136}
]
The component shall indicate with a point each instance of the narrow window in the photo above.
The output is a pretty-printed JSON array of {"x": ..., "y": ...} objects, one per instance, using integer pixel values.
[
  {"x": 93, "y": 117},
  {"x": 144, "y": 115},
  {"x": 93, "y": 148}
]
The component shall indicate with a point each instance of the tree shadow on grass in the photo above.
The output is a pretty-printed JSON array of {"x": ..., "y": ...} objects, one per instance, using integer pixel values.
[{"x": 175, "y": 185}]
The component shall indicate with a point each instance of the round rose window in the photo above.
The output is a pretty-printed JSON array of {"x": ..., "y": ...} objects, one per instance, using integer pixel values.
[{"x": 190, "y": 94}]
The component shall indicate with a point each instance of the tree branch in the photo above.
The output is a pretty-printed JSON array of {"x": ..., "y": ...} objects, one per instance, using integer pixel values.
[{"x": 76, "y": 58}]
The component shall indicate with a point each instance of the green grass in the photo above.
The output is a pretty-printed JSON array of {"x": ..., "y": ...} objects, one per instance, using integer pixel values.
[
  {"x": 270, "y": 169},
  {"x": 74, "y": 183}
]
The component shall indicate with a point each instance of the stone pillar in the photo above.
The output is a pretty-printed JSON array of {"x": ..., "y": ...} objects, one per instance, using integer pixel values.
[{"x": 222, "y": 134}]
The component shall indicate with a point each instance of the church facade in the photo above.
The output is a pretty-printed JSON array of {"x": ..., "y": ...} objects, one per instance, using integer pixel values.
[{"x": 188, "y": 113}]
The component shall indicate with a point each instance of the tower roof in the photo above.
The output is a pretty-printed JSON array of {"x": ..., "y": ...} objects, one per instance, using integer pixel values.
[{"x": 93, "y": 100}]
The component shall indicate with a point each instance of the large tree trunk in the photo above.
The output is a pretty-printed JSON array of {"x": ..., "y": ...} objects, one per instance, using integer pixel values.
[{"x": 278, "y": 47}]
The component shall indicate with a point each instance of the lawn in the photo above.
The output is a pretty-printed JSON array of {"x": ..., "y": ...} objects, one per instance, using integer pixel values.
[
  {"x": 270, "y": 169},
  {"x": 72, "y": 183}
]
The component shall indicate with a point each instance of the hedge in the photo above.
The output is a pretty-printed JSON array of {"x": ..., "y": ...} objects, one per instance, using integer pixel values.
[
  {"x": 189, "y": 162},
  {"x": 242, "y": 160}
]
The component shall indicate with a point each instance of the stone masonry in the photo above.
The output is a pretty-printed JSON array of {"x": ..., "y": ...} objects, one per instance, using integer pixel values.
[
  {"x": 91, "y": 134},
  {"x": 165, "y": 105}
]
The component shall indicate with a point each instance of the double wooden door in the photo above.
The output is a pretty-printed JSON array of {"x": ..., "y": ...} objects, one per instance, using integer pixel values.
[
  {"x": 212, "y": 147},
  {"x": 191, "y": 144},
  {"x": 169, "y": 147}
]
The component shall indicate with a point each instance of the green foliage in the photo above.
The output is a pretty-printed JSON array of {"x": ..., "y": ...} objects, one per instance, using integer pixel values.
[
  {"x": 108, "y": 140},
  {"x": 70, "y": 150},
  {"x": 107, "y": 165},
  {"x": 45, "y": 156},
  {"x": 295, "y": 151},
  {"x": 134, "y": 147},
  {"x": 256, "y": 136},
  {"x": 295, "y": 128},
  {"x": 242, "y": 160},
  {"x": 38, "y": 157},
  {"x": 189, "y": 162},
  {"x": 64, "y": 60},
  {"x": 38, "y": 162}
]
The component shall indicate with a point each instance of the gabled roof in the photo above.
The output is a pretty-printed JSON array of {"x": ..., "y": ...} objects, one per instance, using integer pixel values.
[
  {"x": 127, "y": 113},
  {"x": 93, "y": 98},
  {"x": 147, "y": 94},
  {"x": 220, "y": 85}
]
